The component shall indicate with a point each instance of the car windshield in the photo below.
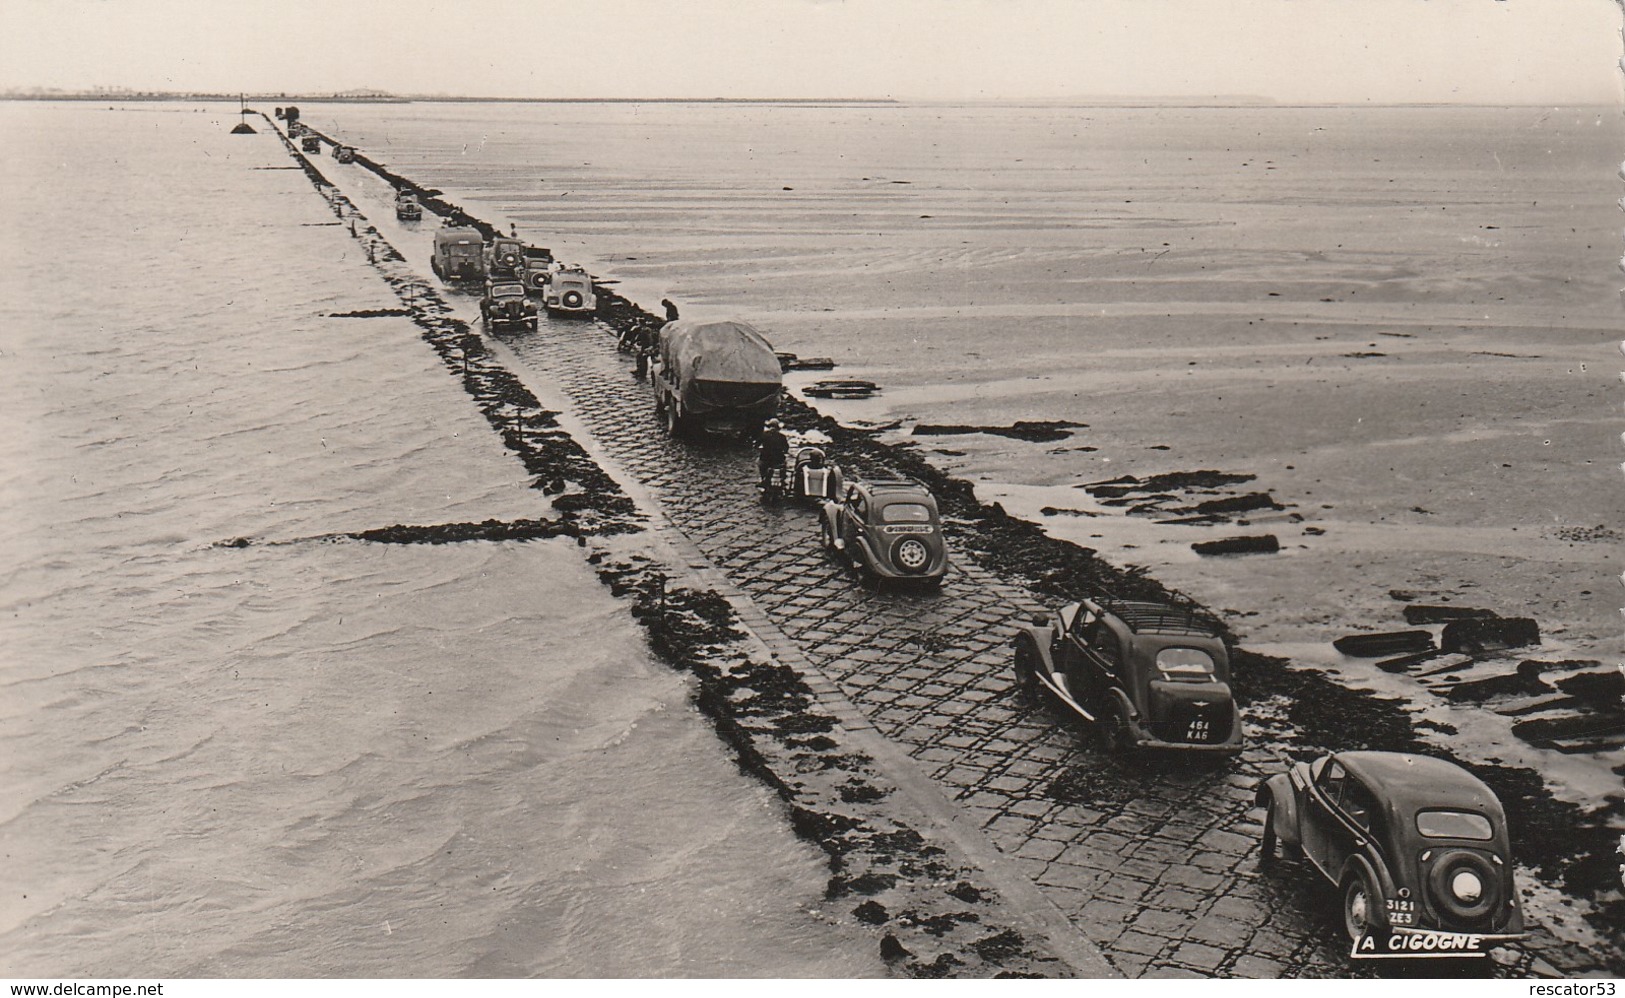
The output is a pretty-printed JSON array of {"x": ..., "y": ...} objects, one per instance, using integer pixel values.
[
  {"x": 508, "y": 291},
  {"x": 1189, "y": 665},
  {"x": 1453, "y": 825},
  {"x": 905, "y": 512}
]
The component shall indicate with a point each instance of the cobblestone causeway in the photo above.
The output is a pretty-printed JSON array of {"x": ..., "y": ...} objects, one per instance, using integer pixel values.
[{"x": 1155, "y": 863}]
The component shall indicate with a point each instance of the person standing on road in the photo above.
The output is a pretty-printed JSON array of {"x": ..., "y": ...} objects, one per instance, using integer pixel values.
[
  {"x": 671, "y": 309},
  {"x": 772, "y": 447}
]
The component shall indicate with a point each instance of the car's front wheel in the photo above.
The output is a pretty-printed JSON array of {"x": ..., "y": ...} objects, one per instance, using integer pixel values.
[
  {"x": 1266, "y": 842},
  {"x": 1027, "y": 672},
  {"x": 1359, "y": 905}
]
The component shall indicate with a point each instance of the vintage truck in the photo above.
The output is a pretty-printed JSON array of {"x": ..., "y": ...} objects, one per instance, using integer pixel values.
[
  {"x": 716, "y": 377},
  {"x": 458, "y": 253}
]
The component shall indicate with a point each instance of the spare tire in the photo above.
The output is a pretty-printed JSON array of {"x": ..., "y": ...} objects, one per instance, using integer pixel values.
[
  {"x": 572, "y": 299},
  {"x": 1465, "y": 885},
  {"x": 911, "y": 555}
]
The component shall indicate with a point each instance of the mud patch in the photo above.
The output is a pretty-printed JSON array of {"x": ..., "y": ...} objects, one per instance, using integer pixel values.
[{"x": 1043, "y": 431}]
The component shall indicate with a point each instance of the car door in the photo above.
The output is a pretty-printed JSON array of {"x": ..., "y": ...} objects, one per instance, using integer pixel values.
[
  {"x": 1068, "y": 650},
  {"x": 1325, "y": 842},
  {"x": 1103, "y": 657},
  {"x": 1357, "y": 811},
  {"x": 854, "y": 514}
]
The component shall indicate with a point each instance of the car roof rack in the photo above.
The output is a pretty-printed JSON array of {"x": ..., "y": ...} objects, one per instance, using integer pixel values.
[
  {"x": 1159, "y": 618},
  {"x": 893, "y": 483}
]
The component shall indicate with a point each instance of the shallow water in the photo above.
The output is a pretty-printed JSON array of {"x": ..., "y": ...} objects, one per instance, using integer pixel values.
[{"x": 315, "y": 758}]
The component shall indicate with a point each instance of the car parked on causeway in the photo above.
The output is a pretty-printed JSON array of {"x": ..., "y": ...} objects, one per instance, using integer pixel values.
[
  {"x": 1416, "y": 845},
  {"x": 1147, "y": 675},
  {"x": 889, "y": 529},
  {"x": 505, "y": 304}
]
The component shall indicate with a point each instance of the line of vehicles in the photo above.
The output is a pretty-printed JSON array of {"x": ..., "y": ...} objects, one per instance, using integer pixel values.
[
  {"x": 1417, "y": 847},
  {"x": 511, "y": 271}
]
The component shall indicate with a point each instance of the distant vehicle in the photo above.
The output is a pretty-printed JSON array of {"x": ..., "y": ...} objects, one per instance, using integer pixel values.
[
  {"x": 504, "y": 259},
  {"x": 457, "y": 253},
  {"x": 310, "y": 143},
  {"x": 1148, "y": 675},
  {"x": 505, "y": 304},
  {"x": 1416, "y": 845},
  {"x": 344, "y": 153},
  {"x": 407, "y": 208},
  {"x": 569, "y": 291},
  {"x": 537, "y": 261},
  {"x": 887, "y": 528},
  {"x": 719, "y": 377}
]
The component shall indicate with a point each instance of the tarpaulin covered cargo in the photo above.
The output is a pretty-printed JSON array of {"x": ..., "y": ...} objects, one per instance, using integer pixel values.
[
  {"x": 722, "y": 376},
  {"x": 710, "y": 364}
]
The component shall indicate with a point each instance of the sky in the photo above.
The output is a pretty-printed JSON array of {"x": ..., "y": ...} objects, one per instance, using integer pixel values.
[{"x": 1291, "y": 51}]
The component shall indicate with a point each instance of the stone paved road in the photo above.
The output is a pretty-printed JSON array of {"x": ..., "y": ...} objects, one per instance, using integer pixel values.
[{"x": 1155, "y": 864}]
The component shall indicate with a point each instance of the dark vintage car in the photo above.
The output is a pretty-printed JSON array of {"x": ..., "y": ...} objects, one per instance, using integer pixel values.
[
  {"x": 506, "y": 304},
  {"x": 889, "y": 529},
  {"x": 1147, "y": 675},
  {"x": 1417, "y": 846},
  {"x": 344, "y": 153},
  {"x": 310, "y": 143},
  {"x": 407, "y": 208}
]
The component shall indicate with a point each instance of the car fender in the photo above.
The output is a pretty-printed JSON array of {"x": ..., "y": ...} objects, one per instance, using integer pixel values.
[
  {"x": 1124, "y": 705},
  {"x": 1039, "y": 640},
  {"x": 874, "y": 560},
  {"x": 1278, "y": 789},
  {"x": 1378, "y": 874}
]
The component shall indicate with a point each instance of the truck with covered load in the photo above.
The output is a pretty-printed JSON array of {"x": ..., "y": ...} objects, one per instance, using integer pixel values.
[{"x": 716, "y": 377}]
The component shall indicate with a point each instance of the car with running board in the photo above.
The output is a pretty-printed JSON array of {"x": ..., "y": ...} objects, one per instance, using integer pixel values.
[
  {"x": 888, "y": 529},
  {"x": 505, "y": 305},
  {"x": 1146, "y": 675},
  {"x": 569, "y": 292},
  {"x": 1417, "y": 847}
]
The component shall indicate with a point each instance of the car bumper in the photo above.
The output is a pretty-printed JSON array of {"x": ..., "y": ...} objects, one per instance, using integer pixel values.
[{"x": 1146, "y": 740}]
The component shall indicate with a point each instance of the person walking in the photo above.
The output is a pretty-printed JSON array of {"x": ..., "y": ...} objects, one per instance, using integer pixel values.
[{"x": 772, "y": 448}]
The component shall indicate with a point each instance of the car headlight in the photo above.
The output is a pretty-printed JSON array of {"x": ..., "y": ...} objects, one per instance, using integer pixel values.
[{"x": 1466, "y": 886}]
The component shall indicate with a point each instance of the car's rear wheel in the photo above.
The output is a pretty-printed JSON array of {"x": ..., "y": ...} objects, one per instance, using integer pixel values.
[
  {"x": 1114, "y": 734},
  {"x": 1359, "y": 905},
  {"x": 674, "y": 422}
]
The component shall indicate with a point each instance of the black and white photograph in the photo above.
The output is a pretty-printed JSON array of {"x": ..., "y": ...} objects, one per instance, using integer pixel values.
[{"x": 850, "y": 490}]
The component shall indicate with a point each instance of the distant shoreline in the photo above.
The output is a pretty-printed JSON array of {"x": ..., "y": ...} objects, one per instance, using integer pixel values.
[{"x": 1096, "y": 102}]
